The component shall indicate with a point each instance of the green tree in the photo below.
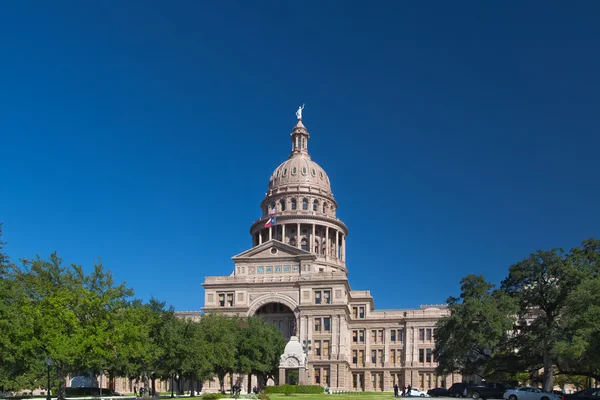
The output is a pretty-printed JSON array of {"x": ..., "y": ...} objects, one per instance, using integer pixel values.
[
  {"x": 541, "y": 284},
  {"x": 476, "y": 328},
  {"x": 578, "y": 343},
  {"x": 260, "y": 346},
  {"x": 221, "y": 332},
  {"x": 67, "y": 311}
]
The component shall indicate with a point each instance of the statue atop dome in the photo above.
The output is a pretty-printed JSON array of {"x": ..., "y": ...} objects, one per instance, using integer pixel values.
[{"x": 299, "y": 112}]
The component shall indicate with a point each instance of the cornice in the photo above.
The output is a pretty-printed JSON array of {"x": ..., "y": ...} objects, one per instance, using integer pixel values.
[{"x": 299, "y": 217}]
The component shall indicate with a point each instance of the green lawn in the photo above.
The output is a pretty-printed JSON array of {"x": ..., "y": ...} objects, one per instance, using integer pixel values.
[{"x": 358, "y": 396}]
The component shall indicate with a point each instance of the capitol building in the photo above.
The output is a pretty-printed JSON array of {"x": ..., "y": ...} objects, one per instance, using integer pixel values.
[{"x": 295, "y": 276}]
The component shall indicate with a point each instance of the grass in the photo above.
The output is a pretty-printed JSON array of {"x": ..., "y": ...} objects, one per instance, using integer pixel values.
[{"x": 358, "y": 396}]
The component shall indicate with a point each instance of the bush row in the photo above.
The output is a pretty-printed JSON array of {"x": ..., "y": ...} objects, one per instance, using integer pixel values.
[{"x": 289, "y": 389}]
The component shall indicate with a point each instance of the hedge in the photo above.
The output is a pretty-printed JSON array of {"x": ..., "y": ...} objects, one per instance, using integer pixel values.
[{"x": 300, "y": 389}]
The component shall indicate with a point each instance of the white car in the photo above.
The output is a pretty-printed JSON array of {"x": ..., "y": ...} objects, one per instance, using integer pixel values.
[
  {"x": 529, "y": 393},
  {"x": 419, "y": 393}
]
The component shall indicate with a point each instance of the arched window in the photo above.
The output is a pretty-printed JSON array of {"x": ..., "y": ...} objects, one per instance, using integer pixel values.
[
  {"x": 282, "y": 204},
  {"x": 304, "y": 244},
  {"x": 315, "y": 205},
  {"x": 316, "y": 247},
  {"x": 293, "y": 204},
  {"x": 305, "y": 204},
  {"x": 324, "y": 208},
  {"x": 323, "y": 247}
]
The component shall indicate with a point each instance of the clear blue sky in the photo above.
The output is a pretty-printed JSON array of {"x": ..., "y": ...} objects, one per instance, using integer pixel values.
[{"x": 459, "y": 137}]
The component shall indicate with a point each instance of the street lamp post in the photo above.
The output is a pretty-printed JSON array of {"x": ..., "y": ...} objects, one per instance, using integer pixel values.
[
  {"x": 172, "y": 384},
  {"x": 48, "y": 363}
]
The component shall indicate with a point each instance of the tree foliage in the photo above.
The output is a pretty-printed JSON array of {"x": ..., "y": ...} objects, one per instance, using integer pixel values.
[
  {"x": 545, "y": 315},
  {"x": 85, "y": 322},
  {"x": 476, "y": 327}
]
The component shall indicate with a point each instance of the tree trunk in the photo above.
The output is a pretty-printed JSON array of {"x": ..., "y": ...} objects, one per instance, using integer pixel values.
[
  {"x": 222, "y": 382},
  {"x": 249, "y": 383},
  {"x": 153, "y": 380},
  {"x": 548, "y": 366},
  {"x": 62, "y": 388}
]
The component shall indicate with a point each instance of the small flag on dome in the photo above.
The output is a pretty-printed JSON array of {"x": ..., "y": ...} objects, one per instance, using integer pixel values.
[{"x": 271, "y": 220}]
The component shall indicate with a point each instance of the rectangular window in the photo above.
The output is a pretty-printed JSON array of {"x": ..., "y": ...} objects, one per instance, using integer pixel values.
[
  {"x": 326, "y": 376},
  {"x": 354, "y": 357},
  {"x": 229, "y": 299},
  {"x": 327, "y": 296},
  {"x": 400, "y": 335},
  {"x": 393, "y": 336},
  {"x": 380, "y": 356},
  {"x": 374, "y": 356},
  {"x": 380, "y": 336},
  {"x": 355, "y": 312},
  {"x": 326, "y": 348},
  {"x": 361, "y": 336},
  {"x": 361, "y": 357},
  {"x": 393, "y": 356},
  {"x": 222, "y": 300},
  {"x": 317, "y": 348},
  {"x": 421, "y": 356},
  {"x": 373, "y": 336},
  {"x": 422, "y": 334},
  {"x": 428, "y": 355},
  {"x": 317, "y": 374},
  {"x": 435, "y": 357},
  {"x": 355, "y": 336},
  {"x": 327, "y": 324},
  {"x": 317, "y": 297},
  {"x": 361, "y": 312},
  {"x": 317, "y": 324},
  {"x": 428, "y": 332},
  {"x": 399, "y": 357}
]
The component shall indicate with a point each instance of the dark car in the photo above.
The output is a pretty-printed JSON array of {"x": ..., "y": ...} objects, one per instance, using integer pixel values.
[
  {"x": 487, "y": 390},
  {"x": 586, "y": 394},
  {"x": 457, "y": 389},
  {"x": 438, "y": 392}
]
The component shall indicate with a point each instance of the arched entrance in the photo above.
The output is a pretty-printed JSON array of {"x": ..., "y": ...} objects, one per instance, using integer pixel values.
[{"x": 281, "y": 316}]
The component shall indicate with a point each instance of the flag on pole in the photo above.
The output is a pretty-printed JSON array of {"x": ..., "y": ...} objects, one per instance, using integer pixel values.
[{"x": 271, "y": 220}]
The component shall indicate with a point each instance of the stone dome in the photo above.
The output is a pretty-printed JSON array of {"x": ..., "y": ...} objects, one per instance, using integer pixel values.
[{"x": 299, "y": 169}]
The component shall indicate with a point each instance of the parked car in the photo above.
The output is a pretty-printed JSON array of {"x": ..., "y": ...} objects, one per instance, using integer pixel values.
[
  {"x": 586, "y": 394},
  {"x": 488, "y": 390},
  {"x": 529, "y": 393},
  {"x": 457, "y": 389},
  {"x": 438, "y": 392},
  {"x": 417, "y": 393}
]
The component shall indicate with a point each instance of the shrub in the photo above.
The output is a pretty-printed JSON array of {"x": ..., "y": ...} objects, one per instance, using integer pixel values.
[
  {"x": 303, "y": 389},
  {"x": 213, "y": 396},
  {"x": 263, "y": 396}
]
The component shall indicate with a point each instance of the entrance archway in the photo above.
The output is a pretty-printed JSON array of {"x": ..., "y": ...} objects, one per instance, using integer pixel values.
[{"x": 279, "y": 315}]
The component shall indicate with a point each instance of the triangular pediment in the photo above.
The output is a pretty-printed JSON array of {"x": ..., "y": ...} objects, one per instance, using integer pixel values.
[{"x": 273, "y": 249}]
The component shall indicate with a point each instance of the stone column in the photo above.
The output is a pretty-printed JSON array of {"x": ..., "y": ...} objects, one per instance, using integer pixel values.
[
  {"x": 283, "y": 233},
  {"x": 302, "y": 376},
  {"x": 344, "y": 248},
  {"x": 337, "y": 244},
  {"x": 333, "y": 376},
  {"x": 259, "y": 237},
  {"x": 298, "y": 235},
  {"x": 281, "y": 376},
  {"x": 334, "y": 336},
  {"x": 386, "y": 349},
  {"x": 271, "y": 232},
  {"x": 312, "y": 240},
  {"x": 326, "y": 242}
]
